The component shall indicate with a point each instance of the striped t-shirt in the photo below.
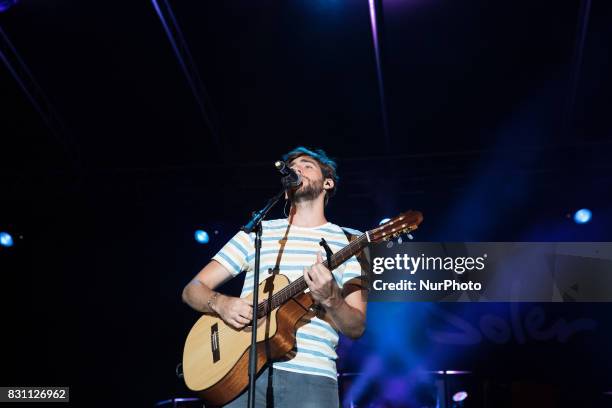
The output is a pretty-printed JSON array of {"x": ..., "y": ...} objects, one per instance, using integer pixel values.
[{"x": 315, "y": 351}]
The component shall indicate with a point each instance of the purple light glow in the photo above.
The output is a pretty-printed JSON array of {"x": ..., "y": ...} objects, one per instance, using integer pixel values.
[
  {"x": 6, "y": 4},
  {"x": 379, "y": 74},
  {"x": 455, "y": 372},
  {"x": 396, "y": 389},
  {"x": 449, "y": 372},
  {"x": 371, "y": 369},
  {"x": 374, "y": 26},
  {"x": 375, "y": 40},
  {"x": 460, "y": 396}
]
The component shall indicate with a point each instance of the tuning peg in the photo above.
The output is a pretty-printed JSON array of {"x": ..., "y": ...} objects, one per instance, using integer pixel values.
[
  {"x": 399, "y": 240},
  {"x": 409, "y": 236}
]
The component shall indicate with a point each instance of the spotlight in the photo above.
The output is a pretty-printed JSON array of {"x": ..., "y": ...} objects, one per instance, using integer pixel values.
[
  {"x": 6, "y": 4},
  {"x": 582, "y": 216},
  {"x": 460, "y": 396},
  {"x": 201, "y": 236},
  {"x": 384, "y": 220},
  {"x": 6, "y": 240}
]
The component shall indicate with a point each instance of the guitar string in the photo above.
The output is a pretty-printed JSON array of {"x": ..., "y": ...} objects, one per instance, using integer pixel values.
[
  {"x": 285, "y": 293},
  {"x": 298, "y": 285},
  {"x": 262, "y": 307},
  {"x": 337, "y": 259}
]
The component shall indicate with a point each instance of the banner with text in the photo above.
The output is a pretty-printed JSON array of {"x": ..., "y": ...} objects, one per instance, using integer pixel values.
[{"x": 490, "y": 272}]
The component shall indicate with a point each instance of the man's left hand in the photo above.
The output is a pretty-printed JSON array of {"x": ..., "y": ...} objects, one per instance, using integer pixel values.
[{"x": 322, "y": 284}]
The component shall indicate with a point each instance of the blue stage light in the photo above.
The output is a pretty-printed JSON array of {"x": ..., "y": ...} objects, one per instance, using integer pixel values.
[
  {"x": 384, "y": 220},
  {"x": 583, "y": 216},
  {"x": 6, "y": 240},
  {"x": 6, "y": 4},
  {"x": 460, "y": 396},
  {"x": 201, "y": 236}
]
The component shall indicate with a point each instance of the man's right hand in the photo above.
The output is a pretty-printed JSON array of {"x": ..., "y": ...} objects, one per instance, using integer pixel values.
[{"x": 237, "y": 312}]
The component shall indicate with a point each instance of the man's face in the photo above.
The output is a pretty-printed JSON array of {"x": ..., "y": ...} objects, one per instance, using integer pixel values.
[{"x": 312, "y": 179}]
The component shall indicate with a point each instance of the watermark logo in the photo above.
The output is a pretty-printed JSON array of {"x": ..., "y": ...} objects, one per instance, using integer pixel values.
[{"x": 491, "y": 272}]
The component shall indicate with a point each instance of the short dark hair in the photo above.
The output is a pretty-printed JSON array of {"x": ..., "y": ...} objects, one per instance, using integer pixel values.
[{"x": 327, "y": 164}]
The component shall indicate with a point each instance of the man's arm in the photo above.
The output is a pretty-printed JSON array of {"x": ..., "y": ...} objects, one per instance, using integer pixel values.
[
  {"x": 234, "y": 311},
  {"x": 348, "y": 314}
]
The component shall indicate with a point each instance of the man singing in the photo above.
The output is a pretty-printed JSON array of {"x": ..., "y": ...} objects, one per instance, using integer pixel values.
[{"x": 290, "y": 246}]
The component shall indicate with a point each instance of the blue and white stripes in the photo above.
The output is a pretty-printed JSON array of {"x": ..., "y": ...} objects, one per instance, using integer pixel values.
[{"x": 315, "y": 351}]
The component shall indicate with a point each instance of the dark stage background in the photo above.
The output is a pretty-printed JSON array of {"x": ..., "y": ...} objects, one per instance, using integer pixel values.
[{"x": 495, "y": 124}]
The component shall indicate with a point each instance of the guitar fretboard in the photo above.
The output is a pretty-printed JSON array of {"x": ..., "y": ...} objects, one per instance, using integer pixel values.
[{"x": 299, "y": 285}]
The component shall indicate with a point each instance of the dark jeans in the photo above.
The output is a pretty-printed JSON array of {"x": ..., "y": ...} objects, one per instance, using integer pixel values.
[{"x": 291, "y": 390}]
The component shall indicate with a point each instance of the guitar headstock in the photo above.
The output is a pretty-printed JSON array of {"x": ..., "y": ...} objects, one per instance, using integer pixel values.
[{"x": 403, "y": 223}]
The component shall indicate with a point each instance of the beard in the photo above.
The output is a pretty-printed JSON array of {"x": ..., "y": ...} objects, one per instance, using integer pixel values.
[{"x": 307, "y": 192}]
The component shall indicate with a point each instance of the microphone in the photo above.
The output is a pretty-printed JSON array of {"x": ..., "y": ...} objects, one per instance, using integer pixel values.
[{"x": 290, "y": 179}]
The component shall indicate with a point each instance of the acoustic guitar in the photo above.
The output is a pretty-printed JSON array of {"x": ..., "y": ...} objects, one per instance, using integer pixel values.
[{"x": 216, "y": 355}]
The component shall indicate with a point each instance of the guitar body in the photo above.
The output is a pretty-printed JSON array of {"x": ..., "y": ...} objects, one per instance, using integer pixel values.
[{"x": 216, "y": 356}]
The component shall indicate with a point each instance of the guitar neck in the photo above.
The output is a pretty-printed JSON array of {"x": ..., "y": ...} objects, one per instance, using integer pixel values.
[{"x": 299, "y": 285}]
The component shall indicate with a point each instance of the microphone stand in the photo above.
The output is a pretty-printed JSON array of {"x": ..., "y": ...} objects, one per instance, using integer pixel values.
[{"x": 255, "y": 225}]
